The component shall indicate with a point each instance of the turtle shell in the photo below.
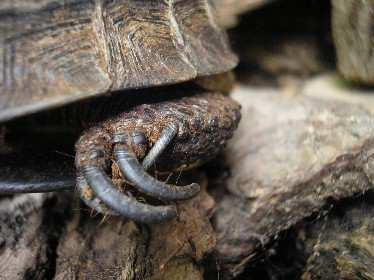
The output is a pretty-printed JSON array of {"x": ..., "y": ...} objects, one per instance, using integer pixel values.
[{"x": 55, "y": 52}]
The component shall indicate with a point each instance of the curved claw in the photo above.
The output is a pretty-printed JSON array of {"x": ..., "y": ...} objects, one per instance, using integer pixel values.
[
  {"x": 134, "y": 172},
  {"x": 167, "y": 134},
  {"x": 94, "y": 203},
  {"x": 123, "y": 204}
]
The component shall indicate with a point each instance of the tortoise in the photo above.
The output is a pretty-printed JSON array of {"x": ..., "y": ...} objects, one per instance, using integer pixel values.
[{"x": 81, "y": 63}]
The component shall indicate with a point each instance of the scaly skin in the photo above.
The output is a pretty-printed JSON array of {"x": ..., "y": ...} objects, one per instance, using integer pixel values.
[
  {"x": 206, "y": 122},
  {"x": 202, "y": 124}
]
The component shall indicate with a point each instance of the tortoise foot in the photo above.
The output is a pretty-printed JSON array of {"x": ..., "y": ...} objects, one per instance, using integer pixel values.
[
  {"x": 126, "y": 159},
  {"x": 169, "y": 135}
]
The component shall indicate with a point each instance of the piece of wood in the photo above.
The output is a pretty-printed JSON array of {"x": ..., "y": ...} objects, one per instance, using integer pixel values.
[
  {"x": 341, "y": 244},
  {"x": 291, "y": 156},
  {"x": 353, "y": 31},
  {"x": 330, "y": 86},
  {"x": 23, "y": 239},
  {"x": 111, "y": 247}
]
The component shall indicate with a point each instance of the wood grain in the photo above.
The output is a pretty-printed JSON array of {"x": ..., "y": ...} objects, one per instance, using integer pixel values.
[
  {"x": 291, "y": 156},
  {"x": 353, "y": 32}
]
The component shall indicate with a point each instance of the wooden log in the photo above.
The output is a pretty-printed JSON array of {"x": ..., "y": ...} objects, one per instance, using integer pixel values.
[
  {"x": 290, "y": 157},
  {"x": 24, "y": 238},
  {"x": 341, "y": 244},
  {"x": 330, "y": 86},
  {"x": 353, "y": 25},
  {"x": 110, "y": 247}
]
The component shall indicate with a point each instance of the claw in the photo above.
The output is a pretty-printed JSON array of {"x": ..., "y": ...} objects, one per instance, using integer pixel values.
[
  {"x": 167, "y": 135},
  {"x": 121, "y": 203},
  {"x": 135, "y": 173},
  {"x": 93, "y": 202}
]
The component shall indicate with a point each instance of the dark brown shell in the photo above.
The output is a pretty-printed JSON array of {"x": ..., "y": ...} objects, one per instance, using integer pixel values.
[{"x": 55, "y": 52}]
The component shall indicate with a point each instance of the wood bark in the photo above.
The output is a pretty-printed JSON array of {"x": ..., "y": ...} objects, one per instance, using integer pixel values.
[
  {"x": 29, "y": 229},
  {"x": 41, "y": 238},
  {"x": 353, "y": 25},
  {"x": 290, "y": 158},
  {"x": 341, "y": 244}
]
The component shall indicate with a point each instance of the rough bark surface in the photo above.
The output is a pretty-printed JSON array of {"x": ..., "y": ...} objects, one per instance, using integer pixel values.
[
  {"x": 110, "y": 247},
  {"x": 353, "y": 30},
  {"x": 26, "y": 237},
  {"x": 341, "y": 245},
  {"x": 329, "y": 86},
  {"x": 49, "y": 237},
  {"x": 289, "y": 158}
]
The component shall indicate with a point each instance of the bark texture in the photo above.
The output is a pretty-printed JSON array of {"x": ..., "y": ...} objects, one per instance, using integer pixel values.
[
  {"x": 28, "y": 236},
  {"x": 353, "y": 30},
  {"x": 54, "y": 237},
  {"x": 341, "y": 245},
  {"x": 291, "y": 156},
  {"x": 110, "y": 247}
]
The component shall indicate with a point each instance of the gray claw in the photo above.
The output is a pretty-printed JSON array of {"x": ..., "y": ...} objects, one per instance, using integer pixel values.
[
  {"x": 167, "y": 134},
  {"x": 135, "y": 173},
  {"x": 94, "y": 203},
  {"x": 122, "y": 204}
]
